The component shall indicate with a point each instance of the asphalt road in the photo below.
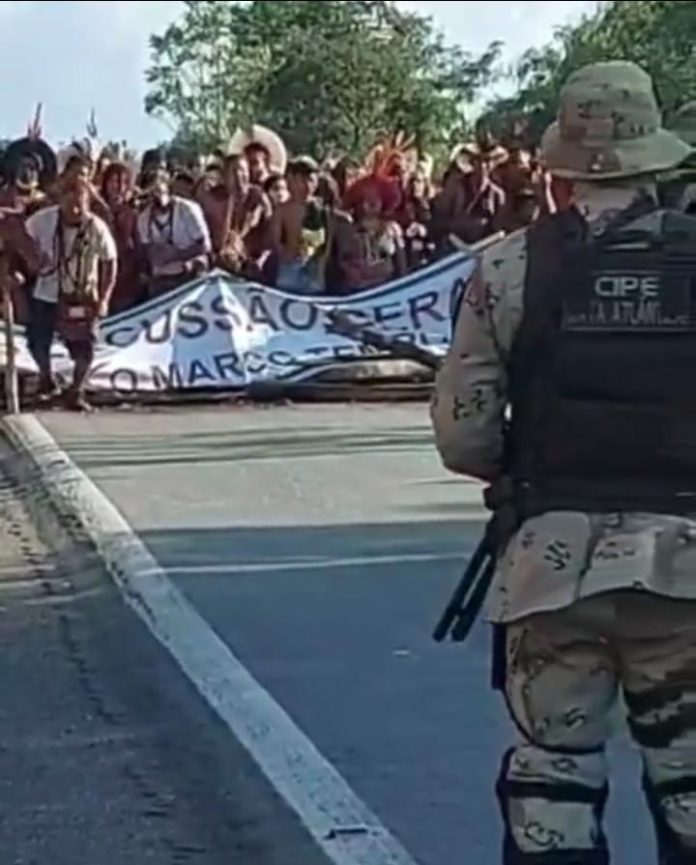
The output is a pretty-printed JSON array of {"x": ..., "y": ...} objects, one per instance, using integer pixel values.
[
  {"x": 107, "y": 754},
  {"x": 320, "y": 542}
]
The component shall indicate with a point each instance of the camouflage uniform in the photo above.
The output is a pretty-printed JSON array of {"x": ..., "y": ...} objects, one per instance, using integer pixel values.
[{"x": 592, "y": 604}]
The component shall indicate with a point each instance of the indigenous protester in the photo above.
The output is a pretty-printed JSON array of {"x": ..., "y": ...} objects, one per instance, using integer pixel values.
[
  {"x": 522, "y": 207},
  {"x": 371, "y": 251},
  {"x": 238, "y": 215},
  {"x": 102, "y": 166},
  {"x": 300, "y": 232},
  {"x": 117, "y": 192},
  {"x": 210, "y": 178},
  {"x": 152, "y": 162},
  {"x": 394, "y": 158},
  {"x": 518, "y": 177},
  {"x": 18, "y": 259},
  {"x": 264, "y": 151},
  {"x": 327, "y": 192},
  {"x": 292, "y": 228},
  {"x": 78, "y": 166},
  {"x": 86, "y": 150},
  {"x": 184, "y": 184},
  {"x": 339, "y": 224},
  {"x": 258, "y": 159},
  {"x": 471, "y": 203},
  {"x": 76, "y": 273},
  {"x": 414, "y": 217},
  {"x": 16, "y": 243},
  {"x": 246, "y": 209},
  {"x": 174, "y": 238},
  {"x": 25, "y": 164},
  {"x": 345, "y": 173},
  {"x": 276, "y": 188},
  {"x": 570, "y": 399},
  {"x": 195, "y": 166}
]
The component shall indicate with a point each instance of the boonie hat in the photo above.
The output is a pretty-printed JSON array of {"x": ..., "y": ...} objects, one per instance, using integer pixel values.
[{"x": 610, "y": 126}]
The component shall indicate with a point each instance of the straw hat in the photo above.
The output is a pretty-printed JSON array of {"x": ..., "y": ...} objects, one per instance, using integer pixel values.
[
  {"x": 464, "y": 155},
  {"x": 263, "y": 137}
]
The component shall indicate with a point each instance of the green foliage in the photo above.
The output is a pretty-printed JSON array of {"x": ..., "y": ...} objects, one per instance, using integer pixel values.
[
  {"x": 328, "y": 75},
  {"x": 659, "y": 36}
]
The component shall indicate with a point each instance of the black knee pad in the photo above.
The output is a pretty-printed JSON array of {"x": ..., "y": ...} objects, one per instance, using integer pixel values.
[
  {"x": 671, "y": 850},
  {"x": 507, "y": 790}
]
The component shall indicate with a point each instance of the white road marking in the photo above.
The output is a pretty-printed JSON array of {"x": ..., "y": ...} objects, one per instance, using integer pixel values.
[
  {"x": 340, "y": 822},
  {"x": 311, "y": 564}
]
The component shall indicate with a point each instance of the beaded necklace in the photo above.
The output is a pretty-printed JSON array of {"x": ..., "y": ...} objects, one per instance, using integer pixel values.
[{"x": 73, "y": 265}]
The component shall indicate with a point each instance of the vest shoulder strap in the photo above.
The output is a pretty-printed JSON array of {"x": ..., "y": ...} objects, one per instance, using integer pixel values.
[{"x": 550, "y": 240}]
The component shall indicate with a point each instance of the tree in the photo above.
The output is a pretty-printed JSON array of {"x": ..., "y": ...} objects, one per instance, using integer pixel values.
[
  {"x": 327, "y": 75},
  {"x": 659, "y": 36},
  {"x": 204, "y": 77}
]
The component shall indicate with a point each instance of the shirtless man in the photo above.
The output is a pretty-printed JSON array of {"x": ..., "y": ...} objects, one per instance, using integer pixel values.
[
  {"x": 259, "y": 160},
  {"x": 300, "y": 231},
  {"x": 238, "y": 215},
  {"x": 14, "y": 238},
  {"x": 22, "y": 197},
  {"x": 118, "y": 191},
  {"x": 18, "y": 260}
]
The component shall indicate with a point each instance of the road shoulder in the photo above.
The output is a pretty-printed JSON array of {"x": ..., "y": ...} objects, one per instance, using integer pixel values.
[
  {"x": 338, "y": 821},
  {"x": 108, "y": 754}
]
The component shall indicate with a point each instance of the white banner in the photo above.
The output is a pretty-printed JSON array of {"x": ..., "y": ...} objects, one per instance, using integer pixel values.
[{"x": 221, "y": 333}]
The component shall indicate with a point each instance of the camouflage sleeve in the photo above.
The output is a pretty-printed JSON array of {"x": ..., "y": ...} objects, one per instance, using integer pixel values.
[{"x": 470, "y": 396}]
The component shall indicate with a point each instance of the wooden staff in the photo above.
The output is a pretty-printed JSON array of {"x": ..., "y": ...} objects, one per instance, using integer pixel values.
[{"x": 11, "y": 382}]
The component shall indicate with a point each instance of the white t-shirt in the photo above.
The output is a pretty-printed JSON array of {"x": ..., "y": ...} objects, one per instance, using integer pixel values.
[
  {"x": 97, "y": 244},
  {"x": 183, "y": 226}
]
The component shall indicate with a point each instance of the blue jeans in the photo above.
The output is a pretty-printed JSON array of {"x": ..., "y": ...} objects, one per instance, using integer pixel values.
[{"x": 299, "y": 277}]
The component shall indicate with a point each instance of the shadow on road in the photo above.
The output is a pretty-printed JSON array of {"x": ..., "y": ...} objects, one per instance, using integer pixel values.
[
  {"x": 345, "y": 647},
  {"x": 281, "y": 545}
]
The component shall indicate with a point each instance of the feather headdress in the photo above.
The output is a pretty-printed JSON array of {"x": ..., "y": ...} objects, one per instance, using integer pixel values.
[
  {"x": 391, "y": 159},
  {"x": 392, "y": 155},
  {"x": 87, "y": 146},
  {"x": 34, "y": 147}
]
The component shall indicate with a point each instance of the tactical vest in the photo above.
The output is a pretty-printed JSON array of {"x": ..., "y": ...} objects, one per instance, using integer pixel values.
[{"x": 603, "y": 369}]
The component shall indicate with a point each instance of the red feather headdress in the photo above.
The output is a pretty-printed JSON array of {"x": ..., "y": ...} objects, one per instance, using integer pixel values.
[{"x": 380, "y": 172}]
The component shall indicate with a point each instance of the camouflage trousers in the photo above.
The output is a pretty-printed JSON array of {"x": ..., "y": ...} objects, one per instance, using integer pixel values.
[{"x": 565, "y": 673}]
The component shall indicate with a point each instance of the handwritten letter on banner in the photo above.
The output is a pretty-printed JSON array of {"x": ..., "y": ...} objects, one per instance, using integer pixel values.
[{"x": 219, "y": 333}]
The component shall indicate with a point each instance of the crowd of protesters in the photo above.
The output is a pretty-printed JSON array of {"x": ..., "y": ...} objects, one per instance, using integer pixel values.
[{"x": 95, "y": 235}]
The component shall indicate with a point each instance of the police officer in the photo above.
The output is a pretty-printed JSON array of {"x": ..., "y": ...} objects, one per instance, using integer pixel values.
[{"x": 570, "y": 374}]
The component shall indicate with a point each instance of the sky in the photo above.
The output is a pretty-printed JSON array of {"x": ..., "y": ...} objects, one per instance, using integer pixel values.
[{"x": 74, "y": 55}]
